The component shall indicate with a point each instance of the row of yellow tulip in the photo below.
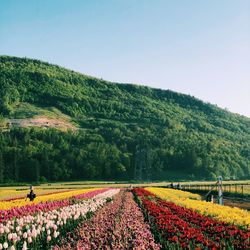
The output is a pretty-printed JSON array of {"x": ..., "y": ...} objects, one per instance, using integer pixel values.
[
  {"x": 8, "y": 194},
  {"x": 227, "y": 214},
  {"x": 5, "y": 205},
  {"x": 172, "y": 194}
]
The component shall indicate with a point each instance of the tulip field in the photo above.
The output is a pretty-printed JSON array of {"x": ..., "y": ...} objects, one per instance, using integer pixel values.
[{"x": 120, "y": 218}]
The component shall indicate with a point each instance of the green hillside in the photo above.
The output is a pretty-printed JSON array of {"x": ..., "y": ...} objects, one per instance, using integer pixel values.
[{"x": 118, "y": 130}]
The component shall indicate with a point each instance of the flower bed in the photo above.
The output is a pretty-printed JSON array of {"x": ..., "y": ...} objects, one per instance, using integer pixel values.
[
  {"x": 42, "y": 230},
  {"x": 6, "y": 205},
  {"x": 11, "y": 195},
  {"x": 49, "y": 205},
  {"x": 178, "y": 227},
  {"x": 118, "y": 225},
  {"x": 235, "y": 216}
]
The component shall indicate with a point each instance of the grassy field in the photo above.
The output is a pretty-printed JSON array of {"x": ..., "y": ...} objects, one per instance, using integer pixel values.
[{"x": 21, "y": 191}]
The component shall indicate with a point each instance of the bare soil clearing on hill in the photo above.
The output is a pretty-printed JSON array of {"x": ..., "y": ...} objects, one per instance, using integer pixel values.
[{"x": 42, "y": 122}]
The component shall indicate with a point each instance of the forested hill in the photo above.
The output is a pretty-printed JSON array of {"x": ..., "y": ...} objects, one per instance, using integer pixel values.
[{"x": 117, "y": 129}]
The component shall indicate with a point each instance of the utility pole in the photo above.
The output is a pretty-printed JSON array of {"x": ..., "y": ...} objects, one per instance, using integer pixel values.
[
  {"x": 138, "y": 163},
  {"x": 220, "y": 192},
  {"x": 148, "y": 167},
  {"x": 142, "y": 162}
]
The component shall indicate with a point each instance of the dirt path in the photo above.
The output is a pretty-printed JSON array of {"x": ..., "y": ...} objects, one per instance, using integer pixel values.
[{"x": 237, "y": 203}]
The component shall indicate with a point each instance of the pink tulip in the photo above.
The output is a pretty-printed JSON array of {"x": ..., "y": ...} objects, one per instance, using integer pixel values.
[
  {"x": 29, "y": 240},
  {"x": 9, "y": 236}
]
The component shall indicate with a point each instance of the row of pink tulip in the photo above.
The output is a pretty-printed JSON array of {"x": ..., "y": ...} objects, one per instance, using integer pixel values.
[
  {"x": 50, "y": 205},
  {"x": 90, "y": 194},
  {"x": 118, "y": 225},
  {"x": 42, "y": 230}
]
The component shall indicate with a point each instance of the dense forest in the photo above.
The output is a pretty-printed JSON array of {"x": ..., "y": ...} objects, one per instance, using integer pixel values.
[{"x": 123, "y": 131}]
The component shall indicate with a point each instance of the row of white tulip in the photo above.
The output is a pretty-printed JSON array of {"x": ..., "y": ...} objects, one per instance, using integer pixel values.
[{"x": 44, "y": 228}]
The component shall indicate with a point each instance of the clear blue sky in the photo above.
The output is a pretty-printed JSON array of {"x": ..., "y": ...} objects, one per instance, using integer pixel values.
[{"x": 196, "y": 47}]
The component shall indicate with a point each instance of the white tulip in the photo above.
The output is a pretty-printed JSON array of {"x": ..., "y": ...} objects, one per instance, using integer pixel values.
[
  {"x": 24, "y": 245},
  {"x": 55, "y": 234},
  {"x": 5, "y": 245}
]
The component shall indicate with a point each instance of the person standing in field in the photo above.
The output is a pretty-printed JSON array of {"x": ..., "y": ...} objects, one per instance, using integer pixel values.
[{"x": 31, "y": 195}]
